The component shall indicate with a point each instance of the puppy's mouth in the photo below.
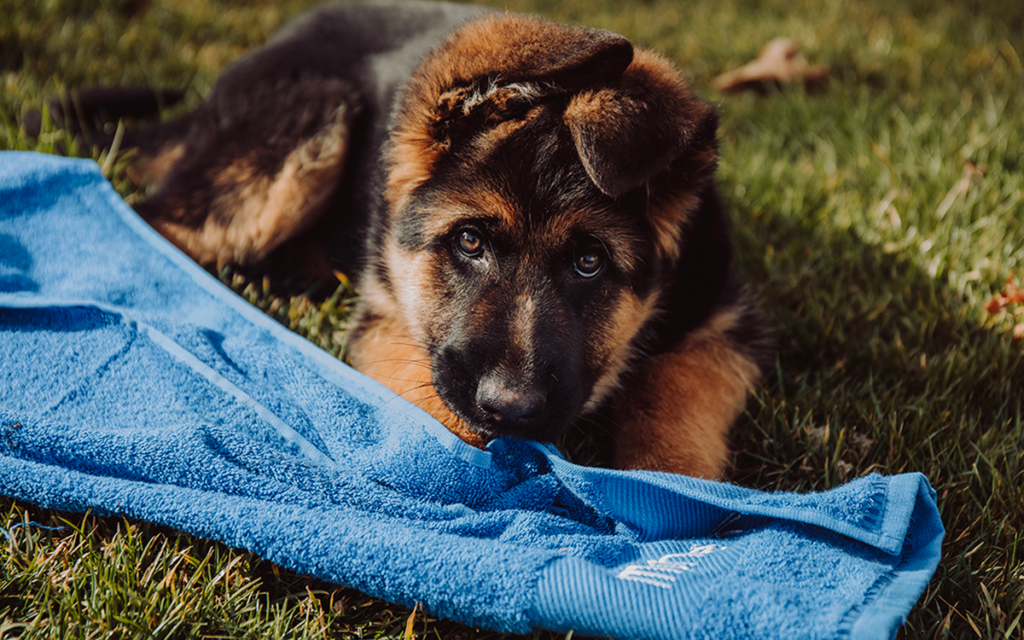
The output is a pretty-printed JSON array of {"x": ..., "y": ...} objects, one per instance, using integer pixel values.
[{"x": 500, "y": 403}]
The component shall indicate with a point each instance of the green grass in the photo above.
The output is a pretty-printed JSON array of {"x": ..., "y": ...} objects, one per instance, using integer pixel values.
[{"x": 873, "y": 254}]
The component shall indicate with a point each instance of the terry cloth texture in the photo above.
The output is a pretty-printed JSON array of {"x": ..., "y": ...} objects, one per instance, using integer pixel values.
[{"x": 131, "y": 382}]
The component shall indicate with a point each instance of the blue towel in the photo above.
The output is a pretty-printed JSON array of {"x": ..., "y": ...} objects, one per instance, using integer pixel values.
[{"x": 131, "y": 382}]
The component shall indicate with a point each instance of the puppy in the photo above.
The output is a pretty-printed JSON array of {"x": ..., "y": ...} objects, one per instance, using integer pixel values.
[{"x": 530, "y": 205}]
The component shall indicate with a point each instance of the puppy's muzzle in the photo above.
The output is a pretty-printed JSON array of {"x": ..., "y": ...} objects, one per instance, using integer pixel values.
[{"x": 509, "y": 406}]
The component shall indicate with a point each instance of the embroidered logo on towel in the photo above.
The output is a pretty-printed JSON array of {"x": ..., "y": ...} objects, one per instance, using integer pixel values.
[{"x": 663, "y": 571}]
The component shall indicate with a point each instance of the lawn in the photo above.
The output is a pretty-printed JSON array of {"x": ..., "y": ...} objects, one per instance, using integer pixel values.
[{"x": 877, "y": 218}]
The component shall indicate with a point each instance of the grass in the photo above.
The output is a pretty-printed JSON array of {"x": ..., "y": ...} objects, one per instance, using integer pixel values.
[{"x": 875, "y": 218}]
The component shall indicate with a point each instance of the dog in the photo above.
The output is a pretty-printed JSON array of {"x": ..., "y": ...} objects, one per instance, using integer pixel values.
[{"x": 530, "y": 207}]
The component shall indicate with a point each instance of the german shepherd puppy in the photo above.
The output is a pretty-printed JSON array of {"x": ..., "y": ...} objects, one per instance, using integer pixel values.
[{"x": 531, "y": 205}]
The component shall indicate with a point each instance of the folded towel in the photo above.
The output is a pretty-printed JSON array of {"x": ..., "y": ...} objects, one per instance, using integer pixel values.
[{"x": 133, "y": 383}]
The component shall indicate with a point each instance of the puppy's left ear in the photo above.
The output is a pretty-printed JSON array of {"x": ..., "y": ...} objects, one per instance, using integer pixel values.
[{"x": 629, "y": 131}]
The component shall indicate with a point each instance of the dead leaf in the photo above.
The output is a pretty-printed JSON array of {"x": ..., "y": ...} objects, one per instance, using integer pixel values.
[
  {"x": 780, "y": 62},
  {"x": 1009, "y": 295},
  {"x": 861, "y": 442},
  {"x": 844, "y": 470},
  {"x": 818, "y": 435}
]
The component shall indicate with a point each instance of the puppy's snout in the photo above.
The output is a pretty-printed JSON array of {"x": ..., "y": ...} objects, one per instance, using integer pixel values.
[{"x": 509, "y": 406}]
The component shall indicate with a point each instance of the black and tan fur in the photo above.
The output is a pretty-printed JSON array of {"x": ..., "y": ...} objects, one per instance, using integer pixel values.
[{"x": 541, "y": 236}]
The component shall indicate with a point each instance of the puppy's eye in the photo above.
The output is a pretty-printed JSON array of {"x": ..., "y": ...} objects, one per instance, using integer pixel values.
[
  {"x": 470, "y": 243},
  {"x": 588, "y": 263}
]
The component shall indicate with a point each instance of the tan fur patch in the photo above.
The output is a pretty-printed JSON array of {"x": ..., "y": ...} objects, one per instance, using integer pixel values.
[
  {"x": 677, "y": 409},
  {"x": 152, "y": 169},
  {"x": 668, "y": 216},
  {"x": 524, "y": 325},
  {"x": 412, "y": 280},
  {"x": 387, "y": 353},
  {"x": 266, "y": 210},
  {"x": 414, "y": 155},
  {"x": 458, "y": 207},
  {"x": 617, "y": 348}
]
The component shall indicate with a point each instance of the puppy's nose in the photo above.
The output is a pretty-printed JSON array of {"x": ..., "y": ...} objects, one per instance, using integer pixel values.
[{"x": 507, "y": 405}]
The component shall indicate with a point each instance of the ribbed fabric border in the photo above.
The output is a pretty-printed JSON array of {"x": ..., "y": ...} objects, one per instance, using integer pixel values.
[{"x": 894, "y": 594}]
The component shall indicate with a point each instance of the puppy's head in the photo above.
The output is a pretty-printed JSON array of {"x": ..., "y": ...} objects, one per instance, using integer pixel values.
[{"x": 540, "y": 178}]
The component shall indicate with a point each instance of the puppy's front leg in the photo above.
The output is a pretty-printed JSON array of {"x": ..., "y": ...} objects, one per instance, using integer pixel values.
[{"x": 675, "y": 410}]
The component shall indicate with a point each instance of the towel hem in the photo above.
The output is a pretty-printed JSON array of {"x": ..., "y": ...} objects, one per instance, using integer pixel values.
[{"x": 888, "y": 601}]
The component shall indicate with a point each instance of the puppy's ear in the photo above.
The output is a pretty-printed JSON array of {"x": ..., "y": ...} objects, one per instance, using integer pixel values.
[
  {"x": 485, "y": 73},
  {"x": 492, "y": 67},
  {"x": 630, "y": 130}
]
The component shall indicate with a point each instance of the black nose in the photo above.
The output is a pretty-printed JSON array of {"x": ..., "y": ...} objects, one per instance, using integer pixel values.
[{"x": 507, "y": 405}]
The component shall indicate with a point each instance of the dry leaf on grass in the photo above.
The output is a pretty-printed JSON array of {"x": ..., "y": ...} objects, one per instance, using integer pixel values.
[
  {"x": 1009, "y": 295},
  {"x": 780, "y": 62}
]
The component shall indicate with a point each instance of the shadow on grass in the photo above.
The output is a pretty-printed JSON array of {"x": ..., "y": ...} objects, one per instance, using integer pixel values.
[
  {"x": 883, "y": 367},
  {"x": 871, "y": 339}
]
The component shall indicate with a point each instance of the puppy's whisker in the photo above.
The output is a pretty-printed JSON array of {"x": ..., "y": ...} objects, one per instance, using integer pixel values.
[
  {"x": 418, "y": 345},
  {"x": 402, "y": 395},
  {"x": 392, "y": 361},
  {"x": 416, "y": 387}
]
